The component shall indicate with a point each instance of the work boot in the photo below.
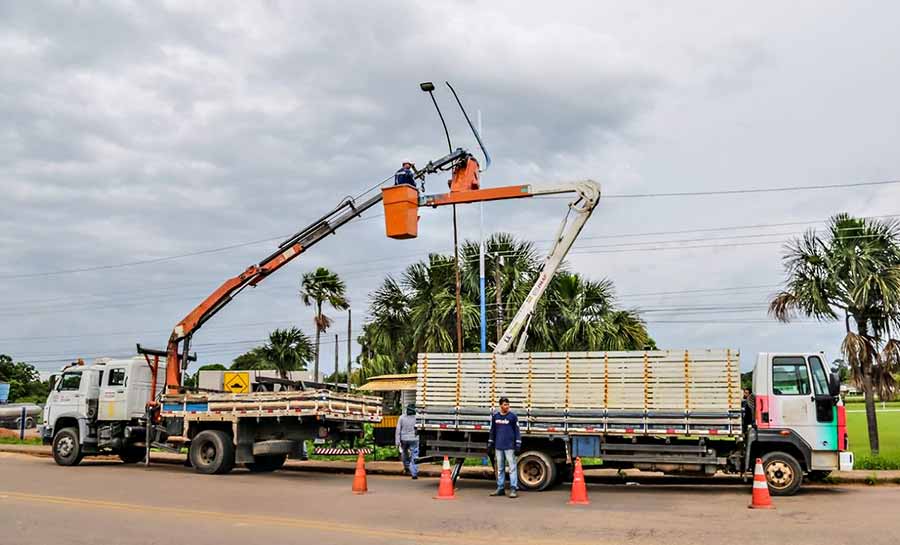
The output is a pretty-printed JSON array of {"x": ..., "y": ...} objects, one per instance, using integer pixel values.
[
  {"x": 414, "y": 477},
  {"x": 498, "y": 492},
  {"x": 513, "y": 494}
]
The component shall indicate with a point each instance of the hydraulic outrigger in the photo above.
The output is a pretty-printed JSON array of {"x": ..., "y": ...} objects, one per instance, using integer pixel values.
[{"x": 401, "y": 204}]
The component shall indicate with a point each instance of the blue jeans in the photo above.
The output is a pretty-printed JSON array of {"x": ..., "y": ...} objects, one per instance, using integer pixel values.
[
  {"x": 506, "y": 458},
  {"x": 409, "y": 451}
]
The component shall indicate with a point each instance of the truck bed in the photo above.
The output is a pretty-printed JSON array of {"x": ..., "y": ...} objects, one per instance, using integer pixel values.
[
  {"x": 666, "y": 392},
  {"x": 319, "y": 403}
]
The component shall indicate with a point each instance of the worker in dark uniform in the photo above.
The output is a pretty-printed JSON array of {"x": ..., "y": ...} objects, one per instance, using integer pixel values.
[
  {"x": 405, "y": 175},
  {"x": 748, "y": 409}
]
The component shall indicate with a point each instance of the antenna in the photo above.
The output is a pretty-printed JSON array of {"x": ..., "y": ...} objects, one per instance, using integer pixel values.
[
  {"x": 487, "y": 156},
  {"x": 428, "y": 87}
]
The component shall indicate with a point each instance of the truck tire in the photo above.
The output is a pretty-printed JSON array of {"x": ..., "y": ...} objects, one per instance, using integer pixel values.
[
  {"x": 266, "y": 464},
  {"x": 212, "y": 452},
  {"x": 132, "y": 455},
  {"x": 536, "y": 471},
  {"x": 783, "y": 473},
  {"x": 67, "y": 447}
]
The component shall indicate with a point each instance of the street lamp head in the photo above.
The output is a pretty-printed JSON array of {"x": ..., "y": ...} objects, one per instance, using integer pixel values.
[{"x": 426, "y": 86}]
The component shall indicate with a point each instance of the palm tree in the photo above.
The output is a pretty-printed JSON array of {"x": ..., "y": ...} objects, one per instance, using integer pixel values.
[
  {"x": 432, "y": 306},
  {"x": 287, "y": 350},
  {"x": 579, "y": 314},
  {"x": 852, "y": 273},
  {"x": 317, "y": 288},
  {"x": 389, "y": 331}
]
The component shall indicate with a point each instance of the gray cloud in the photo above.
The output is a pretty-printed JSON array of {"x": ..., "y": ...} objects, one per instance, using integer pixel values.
[{"x": 134, "y": 131}]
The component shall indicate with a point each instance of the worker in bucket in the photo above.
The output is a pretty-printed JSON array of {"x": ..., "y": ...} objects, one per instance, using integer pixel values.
[
  {"x": 405, "y": 175},
  {"x": 505, "y": 440},
  {"x": 407, "y": 441}
]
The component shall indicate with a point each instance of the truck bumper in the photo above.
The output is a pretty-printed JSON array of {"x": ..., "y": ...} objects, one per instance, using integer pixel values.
[
  {"x": 845, "y": 461},
  {"x": 46, "y": 434}
]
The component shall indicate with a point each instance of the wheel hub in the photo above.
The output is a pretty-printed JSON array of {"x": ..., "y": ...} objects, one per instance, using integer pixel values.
[
  {"x": 65, "y": 446},
  {"x": 531, "y": 473},
  {"x": 208, "y": 453},
  {"x": 779, "y": 474}
]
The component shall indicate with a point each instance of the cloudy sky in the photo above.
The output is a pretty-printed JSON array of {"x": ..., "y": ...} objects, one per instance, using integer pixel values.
[{"x": 133, "y": 133}]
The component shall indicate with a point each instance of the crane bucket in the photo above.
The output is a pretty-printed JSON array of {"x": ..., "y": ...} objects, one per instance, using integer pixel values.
[{"x": 401, "y": 211}]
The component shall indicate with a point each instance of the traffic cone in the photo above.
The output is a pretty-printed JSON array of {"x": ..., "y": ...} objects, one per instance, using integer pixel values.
[
  {"x": 445, "y": 488},
  {"x": 579, "y": 490},
  {"x": 761, "y": 498},
  {"x": 360, "y": 486}
]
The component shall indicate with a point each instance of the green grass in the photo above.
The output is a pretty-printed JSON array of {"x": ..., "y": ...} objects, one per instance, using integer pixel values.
[
  {"x": 888, "y": 435},
  {"x": 17, "y": 441}
]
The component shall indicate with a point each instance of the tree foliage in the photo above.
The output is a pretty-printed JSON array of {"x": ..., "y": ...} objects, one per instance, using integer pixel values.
[
  {"x": 25, "y": 384},
  {"x": 852, "y": 272},
  {"x": 286, "y": 350},
  {"x": 417, "y": 311}
]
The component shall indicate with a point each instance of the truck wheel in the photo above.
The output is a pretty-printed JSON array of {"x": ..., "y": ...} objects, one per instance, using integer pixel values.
[
  {"x": 783, "y": 473},
  {"x": 66, "y": 447},
  {"x": 212, "y": 452},
  {"x": 817, "y": 476},
  {"x": 266, "y": 464},
  {"x": 536, "y": 471},
  {"x": 132, "y": 455}
]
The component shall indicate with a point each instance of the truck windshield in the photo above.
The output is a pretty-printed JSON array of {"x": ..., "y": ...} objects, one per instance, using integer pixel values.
[
  {"x": 820, "y": 378},
  {"x": 70, "y": 382}
]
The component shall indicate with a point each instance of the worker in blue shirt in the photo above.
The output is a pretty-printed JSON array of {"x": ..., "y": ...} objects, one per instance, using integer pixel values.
[
  {"x": 405, "y": 175},
  {"x": 506, "y": 442}
]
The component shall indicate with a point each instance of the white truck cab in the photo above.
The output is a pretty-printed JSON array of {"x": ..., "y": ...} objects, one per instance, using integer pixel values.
[
  {"x": 99, "y": 408},
  {"x": 797, "y": 410}
]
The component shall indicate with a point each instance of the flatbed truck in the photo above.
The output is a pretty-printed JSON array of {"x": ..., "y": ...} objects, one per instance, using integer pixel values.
[
  {"x": 671, "y": 411},
  {"x": 102, "y": 409}
]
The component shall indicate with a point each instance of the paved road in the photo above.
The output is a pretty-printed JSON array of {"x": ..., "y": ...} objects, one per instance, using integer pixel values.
[{"x": 111, "y": 503}]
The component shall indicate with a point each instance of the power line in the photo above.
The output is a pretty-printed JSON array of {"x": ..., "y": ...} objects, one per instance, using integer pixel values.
[{"x": 747, "y": 191}]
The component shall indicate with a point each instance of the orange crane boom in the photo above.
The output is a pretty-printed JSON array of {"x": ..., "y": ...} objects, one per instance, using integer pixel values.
[{"x": 293, "y": 246}]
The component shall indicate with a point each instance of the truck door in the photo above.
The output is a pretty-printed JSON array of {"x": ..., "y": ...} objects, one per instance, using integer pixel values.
[
  {"x": 825, "y": 436},
  {"x": 66, "y": 398},
  {"x": 112, "y": 394},
  {"x": 794, "y": 405}
]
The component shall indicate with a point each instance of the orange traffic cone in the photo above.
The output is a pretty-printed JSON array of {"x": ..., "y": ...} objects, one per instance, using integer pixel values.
[
  {"x": 579, "y": 490},
  {"x": 445, "y": 488},
  {"x": 360, "y": 486},
  {"x": 761, "y": 498}
]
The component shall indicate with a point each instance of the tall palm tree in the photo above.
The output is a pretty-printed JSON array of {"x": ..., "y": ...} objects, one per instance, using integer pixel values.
[
  {"x": 317, "y": 288},
  {"x": 852, "y": 273},
  {"x": 287, "y": 350}
]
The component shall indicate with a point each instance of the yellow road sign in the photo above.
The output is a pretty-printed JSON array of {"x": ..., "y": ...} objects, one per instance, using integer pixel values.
[{"x": 236, "y": 382}]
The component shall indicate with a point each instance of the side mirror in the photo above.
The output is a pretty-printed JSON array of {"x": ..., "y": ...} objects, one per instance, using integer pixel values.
[
  {"x": 52, "y": 382},
  {"x": 834, "y": 384}
]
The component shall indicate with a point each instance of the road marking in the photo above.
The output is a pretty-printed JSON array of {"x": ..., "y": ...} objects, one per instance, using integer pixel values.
[{"x": 218, "y": 516}]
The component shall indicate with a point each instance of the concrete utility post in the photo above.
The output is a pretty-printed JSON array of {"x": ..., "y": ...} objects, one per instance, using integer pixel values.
[{"x": 336, "y": 346}]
